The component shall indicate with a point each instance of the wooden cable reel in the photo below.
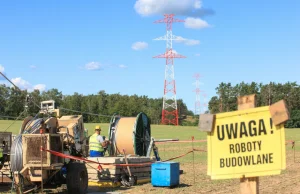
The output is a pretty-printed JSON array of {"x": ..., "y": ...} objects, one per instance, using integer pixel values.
[{"x": 130, "y": 133}]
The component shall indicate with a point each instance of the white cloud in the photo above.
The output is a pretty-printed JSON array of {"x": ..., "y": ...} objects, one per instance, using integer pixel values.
[
  {"x": 191, "y": 8},
  {"x": 32, "y": 66},
  {"x": 139, "y": 45},
  {"x": 188, "y": 42},
  {"x": 22, "y": 84},
  {"x": 122, "y": 66},
  {"x": 198, "y": 4},
  {"x": 197, "y": 54},
  {"x": 25, "y": 85},
  {"x": 159, "y": 7},
  {"x": 174, "y": 51},
  {"x": 2, "y": 68},
  {"x": 40, "y": 87},
  {"x": 195, "y": 23},
  {"x": 96, "y": 66},
  {"x": 93, "y": 66},
  {"x": 191, "y": 42}
]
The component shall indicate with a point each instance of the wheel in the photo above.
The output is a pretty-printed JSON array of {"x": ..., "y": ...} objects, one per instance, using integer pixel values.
[{"x": 77, "y": 178}]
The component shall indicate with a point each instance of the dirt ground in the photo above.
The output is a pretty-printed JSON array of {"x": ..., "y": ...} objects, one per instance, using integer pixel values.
[{"x": 287, "y": 182}]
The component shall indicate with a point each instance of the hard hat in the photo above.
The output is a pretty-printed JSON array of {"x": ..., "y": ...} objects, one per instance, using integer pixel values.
[{"x": 97, "y": 127}]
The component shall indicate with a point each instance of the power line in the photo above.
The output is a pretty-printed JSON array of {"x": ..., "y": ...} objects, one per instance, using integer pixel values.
[
  {"x": 8, "y": 80},
  {"x": 87, "y": 113},
  {"x": 26, "y": 101},
  {"x": 18, "y": 89},
  {"x": 15, "y": 120},
  {"x": 9, "y": 117}
]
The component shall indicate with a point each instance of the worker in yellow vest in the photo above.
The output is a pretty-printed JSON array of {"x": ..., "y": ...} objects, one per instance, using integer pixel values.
[{"x": 97, "y": 144}]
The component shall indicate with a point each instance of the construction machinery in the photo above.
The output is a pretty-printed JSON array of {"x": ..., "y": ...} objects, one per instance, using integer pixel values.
[
  {"x": 32, "y": 165},
  {"x": 32, "y": 168}
]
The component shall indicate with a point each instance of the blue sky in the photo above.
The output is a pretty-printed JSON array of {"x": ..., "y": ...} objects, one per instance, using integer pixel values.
[{"x": 87, "y": 46}]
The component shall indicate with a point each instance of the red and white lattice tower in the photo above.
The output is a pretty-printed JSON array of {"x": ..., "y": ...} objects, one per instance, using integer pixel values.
[
  {"x": 197, "y": 91},
  {"x": 169, "y": 110}
]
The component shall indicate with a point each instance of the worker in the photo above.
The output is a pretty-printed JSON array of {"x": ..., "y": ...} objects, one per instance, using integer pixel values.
[{"x": 97, "y": 144}]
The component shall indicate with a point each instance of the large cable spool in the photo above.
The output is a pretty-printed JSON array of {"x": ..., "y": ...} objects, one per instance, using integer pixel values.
[
  {"x": 130, "y": 133},
  {"x": 30, "y": 127}
]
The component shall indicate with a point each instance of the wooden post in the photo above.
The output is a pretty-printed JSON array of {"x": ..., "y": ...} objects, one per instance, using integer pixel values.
[
  {"x": 294, "y": 151},
  {"x": 248, "y": 185},
  {"x": 193, "y": 158},
  {"x": 127, "y": 162}
]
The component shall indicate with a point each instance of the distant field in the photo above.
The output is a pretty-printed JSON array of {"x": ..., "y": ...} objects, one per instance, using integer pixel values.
[{"x": 158, "y": 131}]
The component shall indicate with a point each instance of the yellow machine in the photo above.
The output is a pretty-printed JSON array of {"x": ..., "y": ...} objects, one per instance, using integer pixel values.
[{"x": 32, "y": 168}]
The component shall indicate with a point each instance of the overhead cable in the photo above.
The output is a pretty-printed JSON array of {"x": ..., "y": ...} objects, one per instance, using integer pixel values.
[
  {"x": 87, "y": 113},
  {"x": 9, "y": 117},
  {"x": 15, "y": 120},
  {"x": 17, "y": 88},
  {"x": 8, "y": 80}
]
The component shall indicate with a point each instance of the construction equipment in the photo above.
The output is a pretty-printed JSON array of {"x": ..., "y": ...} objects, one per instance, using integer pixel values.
[{"x": 32, "y": 168}]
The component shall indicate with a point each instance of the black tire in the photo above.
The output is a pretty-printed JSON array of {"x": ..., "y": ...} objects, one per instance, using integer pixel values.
[{"x": 77, "y": 178}]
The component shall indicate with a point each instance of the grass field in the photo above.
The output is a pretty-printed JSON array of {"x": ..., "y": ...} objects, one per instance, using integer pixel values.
[{"x": 287, "y": 182}]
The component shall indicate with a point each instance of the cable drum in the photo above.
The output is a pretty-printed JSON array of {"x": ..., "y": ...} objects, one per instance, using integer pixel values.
[
  {"x": 130, "y": 133},
  {"x": 16, "y": 158},
  {"x": 112, "y": 149}
]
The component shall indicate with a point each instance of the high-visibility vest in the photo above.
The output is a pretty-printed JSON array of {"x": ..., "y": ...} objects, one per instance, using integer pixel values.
[
  {"x": 94, "y": 144},
  {"x": 1, "y": 152}
]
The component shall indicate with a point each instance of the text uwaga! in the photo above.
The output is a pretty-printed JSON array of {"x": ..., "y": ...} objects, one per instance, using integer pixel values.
[{"x": 240, "y": 130}]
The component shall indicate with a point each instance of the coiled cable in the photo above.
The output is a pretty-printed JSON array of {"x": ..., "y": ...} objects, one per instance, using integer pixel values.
[{"x": 16, "y": 158}]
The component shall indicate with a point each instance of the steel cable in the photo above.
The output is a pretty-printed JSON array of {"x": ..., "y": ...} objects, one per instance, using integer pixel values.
[
  {"x": 16, "y": 158},
  {"x": 9, "y": 117},
  {"x": 87, "y": 113},
  {"x": 15, "y": 120}
]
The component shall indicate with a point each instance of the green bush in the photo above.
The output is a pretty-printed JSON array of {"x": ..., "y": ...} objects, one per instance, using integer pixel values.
[{"x": 294, "y": 121}]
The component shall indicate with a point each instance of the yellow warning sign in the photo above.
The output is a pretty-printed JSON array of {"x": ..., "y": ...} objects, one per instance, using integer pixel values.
[{"x": 245, "y": 143}]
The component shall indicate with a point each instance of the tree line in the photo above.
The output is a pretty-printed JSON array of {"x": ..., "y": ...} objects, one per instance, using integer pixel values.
[
  {"x": 12, "y": 102},
  {"x": 267, "y": 94}
]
